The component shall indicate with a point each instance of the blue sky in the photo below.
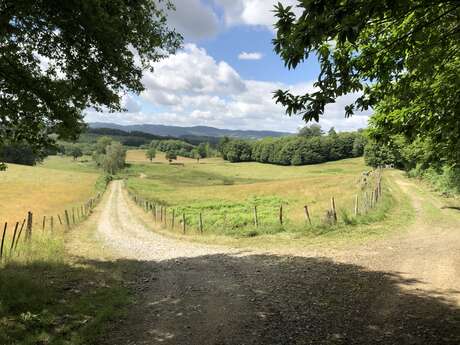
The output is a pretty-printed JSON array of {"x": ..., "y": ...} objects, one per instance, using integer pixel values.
[{"x": 226, "y": 74}]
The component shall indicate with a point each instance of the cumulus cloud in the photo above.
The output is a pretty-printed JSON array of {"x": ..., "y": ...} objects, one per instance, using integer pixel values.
[
  {"x": 251, "y": 12},
  {"x": 250, "y": 56},
  {"x": 192, "y": 88},
  {"x": 193, "y": 19}
]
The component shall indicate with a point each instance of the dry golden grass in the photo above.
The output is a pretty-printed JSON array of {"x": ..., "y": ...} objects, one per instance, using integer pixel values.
[{"x": 42, "y": 191}]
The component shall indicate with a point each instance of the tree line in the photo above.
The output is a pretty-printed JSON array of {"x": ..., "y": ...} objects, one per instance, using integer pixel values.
[{"x": 310, "y": 146}]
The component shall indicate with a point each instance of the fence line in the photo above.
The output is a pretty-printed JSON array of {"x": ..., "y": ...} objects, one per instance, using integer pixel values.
[
  {"x": 47, "y": 223},
  {"x": 361, "y": 204}
]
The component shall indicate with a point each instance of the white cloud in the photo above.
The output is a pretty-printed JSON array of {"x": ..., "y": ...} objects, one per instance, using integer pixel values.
[
  {"x": 252, "y": 12},
  {"x": 250, "y": 56},
  {"x": 193, "y": 19},
  {"x": 192, "y": 88}
]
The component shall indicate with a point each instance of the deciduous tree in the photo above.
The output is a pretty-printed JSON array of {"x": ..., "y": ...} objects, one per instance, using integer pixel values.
[
  {"x": 58, "y": 58},
  {"x": 402, "y": 57}
]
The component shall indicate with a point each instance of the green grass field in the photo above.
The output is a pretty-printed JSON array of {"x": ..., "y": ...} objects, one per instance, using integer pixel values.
[{"x": 226, "y": 193}]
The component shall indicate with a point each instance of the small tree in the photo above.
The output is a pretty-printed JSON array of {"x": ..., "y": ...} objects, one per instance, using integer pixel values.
[
  {"x": 102, "y": 144},
  {"x": 74, "y": 151},
  {"x": 170, "y": 156},
  {"x": 202, "y": 150},
  {"x": 196, "y": 155},
  {"x": 151, "y": 153},
  {"x": 114, "y": 159}
]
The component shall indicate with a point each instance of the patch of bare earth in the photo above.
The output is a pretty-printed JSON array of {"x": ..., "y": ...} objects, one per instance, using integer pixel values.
[{"x": 401, "y": 290}]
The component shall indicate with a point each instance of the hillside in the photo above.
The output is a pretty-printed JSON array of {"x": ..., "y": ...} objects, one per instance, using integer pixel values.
[{"x": 196, "y": 131}]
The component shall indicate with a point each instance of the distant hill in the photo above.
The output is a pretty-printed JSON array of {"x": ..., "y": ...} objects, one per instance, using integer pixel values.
[
  {"x": 138, "y": 138},
  {"x": 190, "y": 132}
]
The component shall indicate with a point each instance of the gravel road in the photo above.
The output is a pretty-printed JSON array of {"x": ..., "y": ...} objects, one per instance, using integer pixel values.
[{"x": 402, "y": 290}]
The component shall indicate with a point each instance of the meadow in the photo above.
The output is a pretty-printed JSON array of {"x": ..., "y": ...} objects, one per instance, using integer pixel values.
[
  {"x": 45, "y": 190},
  {"x": 225, "y": 193},
  {"x": 49, "y": 294}
]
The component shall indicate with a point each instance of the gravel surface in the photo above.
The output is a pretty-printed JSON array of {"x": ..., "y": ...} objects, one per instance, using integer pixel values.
[
  {"x": 401, "y": 290},
  {"x": 119, "y": 229}
]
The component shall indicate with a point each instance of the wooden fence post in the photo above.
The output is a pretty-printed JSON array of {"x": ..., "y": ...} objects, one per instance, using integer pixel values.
[
  {"x": 334, "y": 211},
  {"x": 161, "y": 214},
  {"x": 67, "y": 219},
  {"x": 154, "y": 213},
  {"x": 14, "y": 237},
  {"x": 29, "y": 226},
  {"x": 201, "y": 223},
  {"x": 183, "y": 222},
  {"x": 164, "y": 216},
  {"x": 172, "y": 219},
  {"x": 372, "y": 199},
  {"x": 256, "y": 219},
  {"x": 52, "y": 223},
  {"x": 44, "y": 222},
  {"x": 60, "y": 220},
  {"x": 307, "y": 214},
  {"x": 3, "y": 239},
  {"x": 19, "y": 235},
  {"x": 73, "y": 215},
  {"x": 281, "y": 214}
]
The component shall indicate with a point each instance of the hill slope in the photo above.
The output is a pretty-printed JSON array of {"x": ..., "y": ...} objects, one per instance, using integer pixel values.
[{"x": 200, "y": 131}]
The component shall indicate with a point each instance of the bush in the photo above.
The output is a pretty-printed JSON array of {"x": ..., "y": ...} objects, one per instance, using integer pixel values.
[
  {"x": 114, "y": 158},
  {"x": 20, "y": 153}
]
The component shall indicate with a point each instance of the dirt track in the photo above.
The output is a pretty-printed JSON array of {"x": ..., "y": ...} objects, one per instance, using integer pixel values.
[{"x": 401, "y": 290}]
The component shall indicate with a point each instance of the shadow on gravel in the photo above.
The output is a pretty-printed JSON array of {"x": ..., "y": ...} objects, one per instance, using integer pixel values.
[
  {"x": 220, "y": 299},
  {"x": 264, "y": 299}
]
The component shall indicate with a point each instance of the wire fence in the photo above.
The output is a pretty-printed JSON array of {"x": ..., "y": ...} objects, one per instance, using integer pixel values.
[
  {"x": 22, "y": 232},
  {"x": 269, "y": 216}
]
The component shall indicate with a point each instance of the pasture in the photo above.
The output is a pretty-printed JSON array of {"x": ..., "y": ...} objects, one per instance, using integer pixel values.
[
  {"x": 42, "y": 190},
  {"x": 226, "y": 193}
]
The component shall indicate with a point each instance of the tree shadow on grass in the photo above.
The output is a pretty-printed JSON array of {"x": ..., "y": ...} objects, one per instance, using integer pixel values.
[{"x": 238, "y": 299}]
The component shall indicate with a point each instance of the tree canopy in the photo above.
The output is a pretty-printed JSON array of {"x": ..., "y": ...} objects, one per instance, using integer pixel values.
[
  {"x": 58, "y": 58},
  {"x": 402, "y": 57}
]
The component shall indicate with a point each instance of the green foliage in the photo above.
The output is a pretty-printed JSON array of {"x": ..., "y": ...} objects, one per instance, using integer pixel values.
[
  {"x": 203, "y": 150},
  {"x": 444, "y": 179},
  {"x": 151, "y": 153},
  {"x": 88, "y": 50},
  {"x": 102, "y": 143},
  {"x": 74, "y": 151},
  {"x": 171, "y": 155},
  {"x": 237, "y": 151},
  {"x": 295, "y": 150},
  {"x": 419, "y": 159},
  {"x": 181, "y": 148},
  {"x": 402, "y": 56},
  {"x": 20, "y": 153},
  {"x": 114, "y": 158},
  {"x": 311, "y": 131}
]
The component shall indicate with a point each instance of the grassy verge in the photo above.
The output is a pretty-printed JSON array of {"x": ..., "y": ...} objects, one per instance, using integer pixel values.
[{"x": 48, "y": 295}]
